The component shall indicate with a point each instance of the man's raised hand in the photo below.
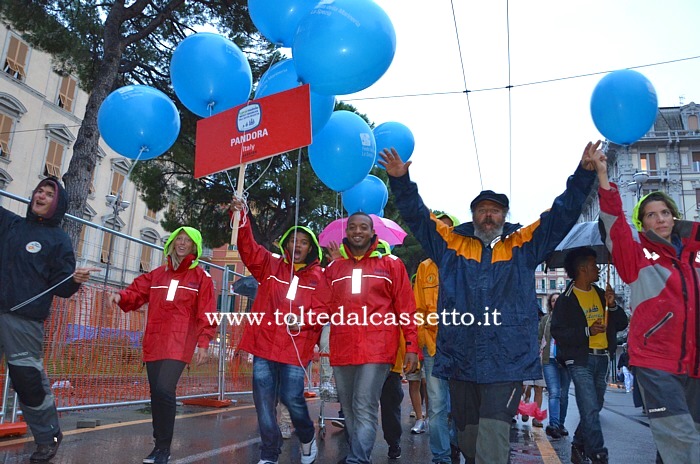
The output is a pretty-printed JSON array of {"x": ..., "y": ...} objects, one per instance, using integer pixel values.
[{"x": 393, "y": 164}]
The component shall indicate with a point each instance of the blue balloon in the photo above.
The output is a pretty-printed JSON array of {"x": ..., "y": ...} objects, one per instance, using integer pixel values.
[
  {"x": 367, "y": 196},
  {"x": 278, "y": 20},
  {"x": 282, "y": 76},
  {"x": 396, "y": 135},
  {"x": 210, "y": 74},
  {"x": 343, "y": 46},
  {"x": 138, "y": 119},
  {"x": 624, "y": 106},
  {"x": 342, "y": 153}
]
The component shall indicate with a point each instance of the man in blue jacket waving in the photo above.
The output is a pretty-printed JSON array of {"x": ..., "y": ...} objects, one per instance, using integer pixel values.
[{"x": 487, "y": 340}]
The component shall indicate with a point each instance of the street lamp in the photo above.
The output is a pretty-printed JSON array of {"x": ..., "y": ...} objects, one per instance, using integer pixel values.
[
  {"x": 639, "y": 178},
  {"x": 118, "y": 205}
]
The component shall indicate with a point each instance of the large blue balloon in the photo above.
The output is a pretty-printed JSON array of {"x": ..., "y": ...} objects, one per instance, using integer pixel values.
[
  {"x": 343, "y": 152},
  {"x": 138, "y": 119},
  {"x": 343, "y": 46},
  {"x": 624, "y": 106},
  {"x": 210, "y": 74},
  {"x": 367, "y": 196},
  {"x": 396, "y": 135},
  {"x": 282, "y": 76},
  {"x": 278, "y": 20}
]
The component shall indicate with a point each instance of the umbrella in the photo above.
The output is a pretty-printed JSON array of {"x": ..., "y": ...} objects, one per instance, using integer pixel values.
[
  {"x": 583, "y": 234},
  {"x": 386, "y": 229},
  {"x": 246, "y": 286}
]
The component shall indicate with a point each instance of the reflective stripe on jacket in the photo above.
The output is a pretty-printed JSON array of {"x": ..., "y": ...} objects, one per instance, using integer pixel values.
[{"x": 178, "y": 301}]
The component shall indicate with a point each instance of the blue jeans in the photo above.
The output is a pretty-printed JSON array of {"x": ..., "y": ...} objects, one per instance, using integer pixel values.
[
  {"x": 589, "y": 382},
  {"x": 438, "y": 409},
  {"x": 557, "y": 379},
  {"x": 273, "y": 380},
  {"x": 359, "y": 389}
]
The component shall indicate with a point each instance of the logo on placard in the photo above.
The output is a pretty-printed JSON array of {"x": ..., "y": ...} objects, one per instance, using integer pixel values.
[
  {"x": 249, "y": 117},
  {"x": 33, "y": 247}
]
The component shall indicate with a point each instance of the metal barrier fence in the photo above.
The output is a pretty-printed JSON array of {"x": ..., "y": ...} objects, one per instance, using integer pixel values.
[{"x": 92, "y": 352}]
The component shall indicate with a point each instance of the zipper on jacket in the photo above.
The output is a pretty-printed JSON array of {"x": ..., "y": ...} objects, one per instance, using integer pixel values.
[
  {"x": 657, "y": 326},
  {"x": 696, "y": 368},
  {"x": 685, "y": 319}
]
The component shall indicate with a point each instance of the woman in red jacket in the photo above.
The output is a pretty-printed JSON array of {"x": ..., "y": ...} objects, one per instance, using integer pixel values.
[
  {"x": 661, "y": 264},
  {"x": 179, "y": 295},
  {"x": 292, "y": 285}
]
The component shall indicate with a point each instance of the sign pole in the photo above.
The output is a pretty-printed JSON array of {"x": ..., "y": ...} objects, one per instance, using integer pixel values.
[{"x": 239, "y": 192}]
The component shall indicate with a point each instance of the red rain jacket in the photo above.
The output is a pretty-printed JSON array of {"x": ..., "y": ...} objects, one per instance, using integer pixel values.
[
  {"x": 665, "y": 290},
  {"x": 270, "y": 339},
  {"x": 385, "y": 299},
  {"x": 173, "y": 328}
]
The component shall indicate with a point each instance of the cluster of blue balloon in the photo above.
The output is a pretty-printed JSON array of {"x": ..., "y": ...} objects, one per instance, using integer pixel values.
[
  {"x": 338, "y": 47},
  {"x": 138, "y": 122},
  {"x": 210, "y": 74},
  {"x": 370, "y": 194},
  {"x": 624, "y": 106}
]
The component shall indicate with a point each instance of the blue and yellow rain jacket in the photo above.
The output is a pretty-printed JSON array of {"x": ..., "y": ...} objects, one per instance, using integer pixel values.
[{"x": 476, "y": 280}]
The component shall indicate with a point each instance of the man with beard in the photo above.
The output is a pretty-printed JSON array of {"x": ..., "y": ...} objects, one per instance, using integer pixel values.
[{"x": 487, "y": 341}]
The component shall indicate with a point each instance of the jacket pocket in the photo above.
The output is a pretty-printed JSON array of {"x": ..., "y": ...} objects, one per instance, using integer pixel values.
[{"x": 656, "y": 327}]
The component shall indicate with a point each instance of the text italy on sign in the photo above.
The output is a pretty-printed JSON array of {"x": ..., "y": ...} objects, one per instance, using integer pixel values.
[{"x": 253, "y": 131}]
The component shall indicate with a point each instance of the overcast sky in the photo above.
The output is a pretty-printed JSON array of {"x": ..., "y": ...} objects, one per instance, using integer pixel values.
[{"x": 551, "y": 122}]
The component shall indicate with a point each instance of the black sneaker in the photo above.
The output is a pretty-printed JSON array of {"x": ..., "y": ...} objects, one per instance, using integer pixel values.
[
  {"x": 45, "y": 453},
  {"x": 158, "y": 456},
  {"x": 563, "y": 431},
  {"x": 394, "y": 451},
  {"x": 578, "y": 456},
  {"x": 553, "y": 432}
]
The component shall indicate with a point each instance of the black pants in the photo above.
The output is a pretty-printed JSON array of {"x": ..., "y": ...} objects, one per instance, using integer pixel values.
[
  {"x": 163, "y": 376},
  {"x": 390, "y": 401}
]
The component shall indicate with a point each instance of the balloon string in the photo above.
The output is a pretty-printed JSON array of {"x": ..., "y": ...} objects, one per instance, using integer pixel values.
[
  {"x": 120, "y": 191},
  {"x": 244, "y": 216}
]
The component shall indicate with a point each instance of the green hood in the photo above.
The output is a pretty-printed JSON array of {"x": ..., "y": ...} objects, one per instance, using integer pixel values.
[
  {"x": 635, "y": 212},
  {"x": 455, "y": 221},
  {"x": 315, "y": 251},
  {"x": 191, "y": 232}
]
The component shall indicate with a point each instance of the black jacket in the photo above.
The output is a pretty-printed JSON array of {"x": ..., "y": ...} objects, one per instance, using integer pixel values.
[
  {"x": 570, "y": 328},
  {"x": 35, "y": 254}
]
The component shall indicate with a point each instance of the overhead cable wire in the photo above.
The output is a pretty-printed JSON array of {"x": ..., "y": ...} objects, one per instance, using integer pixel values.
[
  {"x": 466, "y": 92},
  {"x": 512, "y": 86}
]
